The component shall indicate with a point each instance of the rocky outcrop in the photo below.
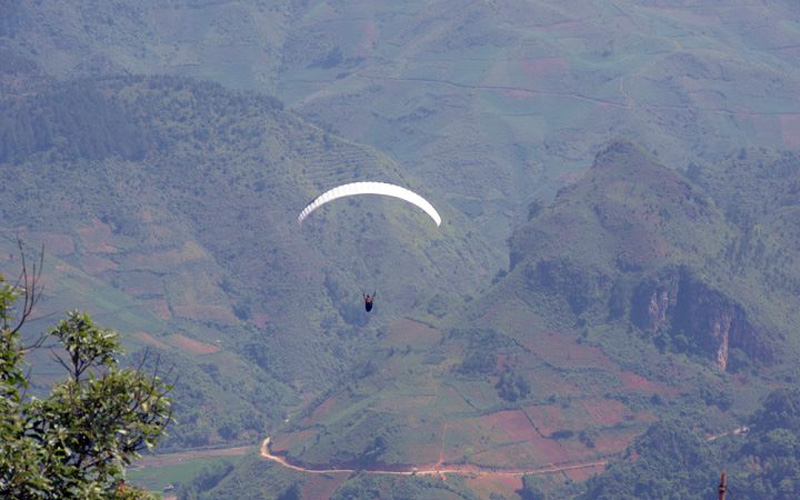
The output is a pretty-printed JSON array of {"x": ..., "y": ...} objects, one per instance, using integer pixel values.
[
  {"x": 653, "y": 301},
  {"x": 677, "y": 304}
]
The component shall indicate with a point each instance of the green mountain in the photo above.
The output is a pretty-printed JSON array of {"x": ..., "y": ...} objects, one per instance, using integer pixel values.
[
  {"x": 644, "y": 282},
  {"x": 491, "y": 103},
  {"x": 168, "y": 208},
  {"x": 626, "y": 304}
]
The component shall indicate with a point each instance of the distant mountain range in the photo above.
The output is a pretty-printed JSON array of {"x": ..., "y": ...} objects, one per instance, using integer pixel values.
[{"x": 619, "y": 185}]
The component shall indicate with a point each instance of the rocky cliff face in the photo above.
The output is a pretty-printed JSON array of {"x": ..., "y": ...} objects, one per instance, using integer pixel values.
[
  {"x": 677, "y": 304},
  {"x": 630, "y": 239}
]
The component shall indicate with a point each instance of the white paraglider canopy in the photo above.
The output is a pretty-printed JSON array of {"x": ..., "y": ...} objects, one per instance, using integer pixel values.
[{"x": 380, "y": 188}]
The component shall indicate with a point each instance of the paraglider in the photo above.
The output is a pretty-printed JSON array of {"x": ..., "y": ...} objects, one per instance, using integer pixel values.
[
  {"x": 367, "y": 300},
  {"x": 379, "y": 188}
]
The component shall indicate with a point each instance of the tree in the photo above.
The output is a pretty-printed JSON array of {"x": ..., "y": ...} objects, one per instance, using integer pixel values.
[
  {"x": 75, "y": 443},
  {"x": 531, "y": 488},
  {"x": 672, "y": 464}
]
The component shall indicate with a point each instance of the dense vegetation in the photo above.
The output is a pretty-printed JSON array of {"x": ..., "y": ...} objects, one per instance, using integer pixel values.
[{"x": 76, "y": 442}]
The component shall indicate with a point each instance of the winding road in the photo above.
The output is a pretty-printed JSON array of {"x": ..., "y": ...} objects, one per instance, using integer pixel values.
[{"x": 471, "y": 470}]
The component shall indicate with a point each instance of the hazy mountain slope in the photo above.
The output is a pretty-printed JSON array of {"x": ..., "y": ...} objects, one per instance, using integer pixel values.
[
  {"x": 621, "y": 308},
  {"x": 635, "y": 241},
  {"x": 183, "y": 196},
  {"x": 234, "y": 43},
  {"x": 497, "y": 100},
  {"x": 493, "y": 103}
]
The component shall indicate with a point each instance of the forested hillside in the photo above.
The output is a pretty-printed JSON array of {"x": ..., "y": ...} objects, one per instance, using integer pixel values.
[
  {"x": 168, "y": 207},
  {"x": 626, "y": 304}
]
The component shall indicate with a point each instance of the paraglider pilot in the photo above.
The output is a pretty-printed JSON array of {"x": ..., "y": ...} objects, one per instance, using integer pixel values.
[{"x": 367, "y": 300}]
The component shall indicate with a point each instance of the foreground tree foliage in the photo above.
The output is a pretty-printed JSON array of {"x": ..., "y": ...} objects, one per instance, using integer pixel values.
[
  {"x": 75, "y": 443},
  {"x": 673, "y": 463}
]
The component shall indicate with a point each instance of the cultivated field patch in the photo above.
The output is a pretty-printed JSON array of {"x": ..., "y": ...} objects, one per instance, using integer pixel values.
[
  {"x": 96, "y": 239},
  {"x": 529, "y": 454},
  {"x": 604, "y": 412},
  {"x": 635, "y": 382},
  {"x": 94, "y": 264},
  {"x": 615, "y": 440},
  {"x": 564, "y": 352},
  {"x": 168, "y": 259},
  {"x": 546, "y": 419},
  {"x": 159, "y": 307},
  {"x": 150, "y": 340},
  {"x": 192, "y": 346},
  {"x": 206, "y": 312},
  {"x": 486, "y": 487}
]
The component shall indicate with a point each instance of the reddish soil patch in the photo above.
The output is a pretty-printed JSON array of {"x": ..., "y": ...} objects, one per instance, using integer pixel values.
[
  {"x": 146, "y": 337},
  {"x": 484, "y": 436},
  {"x": 547, "y": 419},
  {"x": 790, "y": 130},
  {"x": 96, "y": 238},
  {"x": 318, "y": 487},
  {"x": 192, "y": 346},
  {"x": 509, "y": 425},
  {"x": 634, "y": 382},
  {"x": 206, "y": 312},
  {"x": 533, "y": 453},
  {"x": 159, "y": 307},
  {"x": 484, "y": 486},
  {"x": 93, "y": 264},
  {"x": 604, "y": 412}
]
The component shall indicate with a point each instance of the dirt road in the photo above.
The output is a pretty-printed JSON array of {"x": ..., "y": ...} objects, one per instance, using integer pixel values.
[{"x": 471, "y": 470}]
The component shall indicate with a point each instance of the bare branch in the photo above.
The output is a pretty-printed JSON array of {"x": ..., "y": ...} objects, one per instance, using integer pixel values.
[
  {"x": 61, "y": 361},
  {"x": 29, "y": 282}
]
